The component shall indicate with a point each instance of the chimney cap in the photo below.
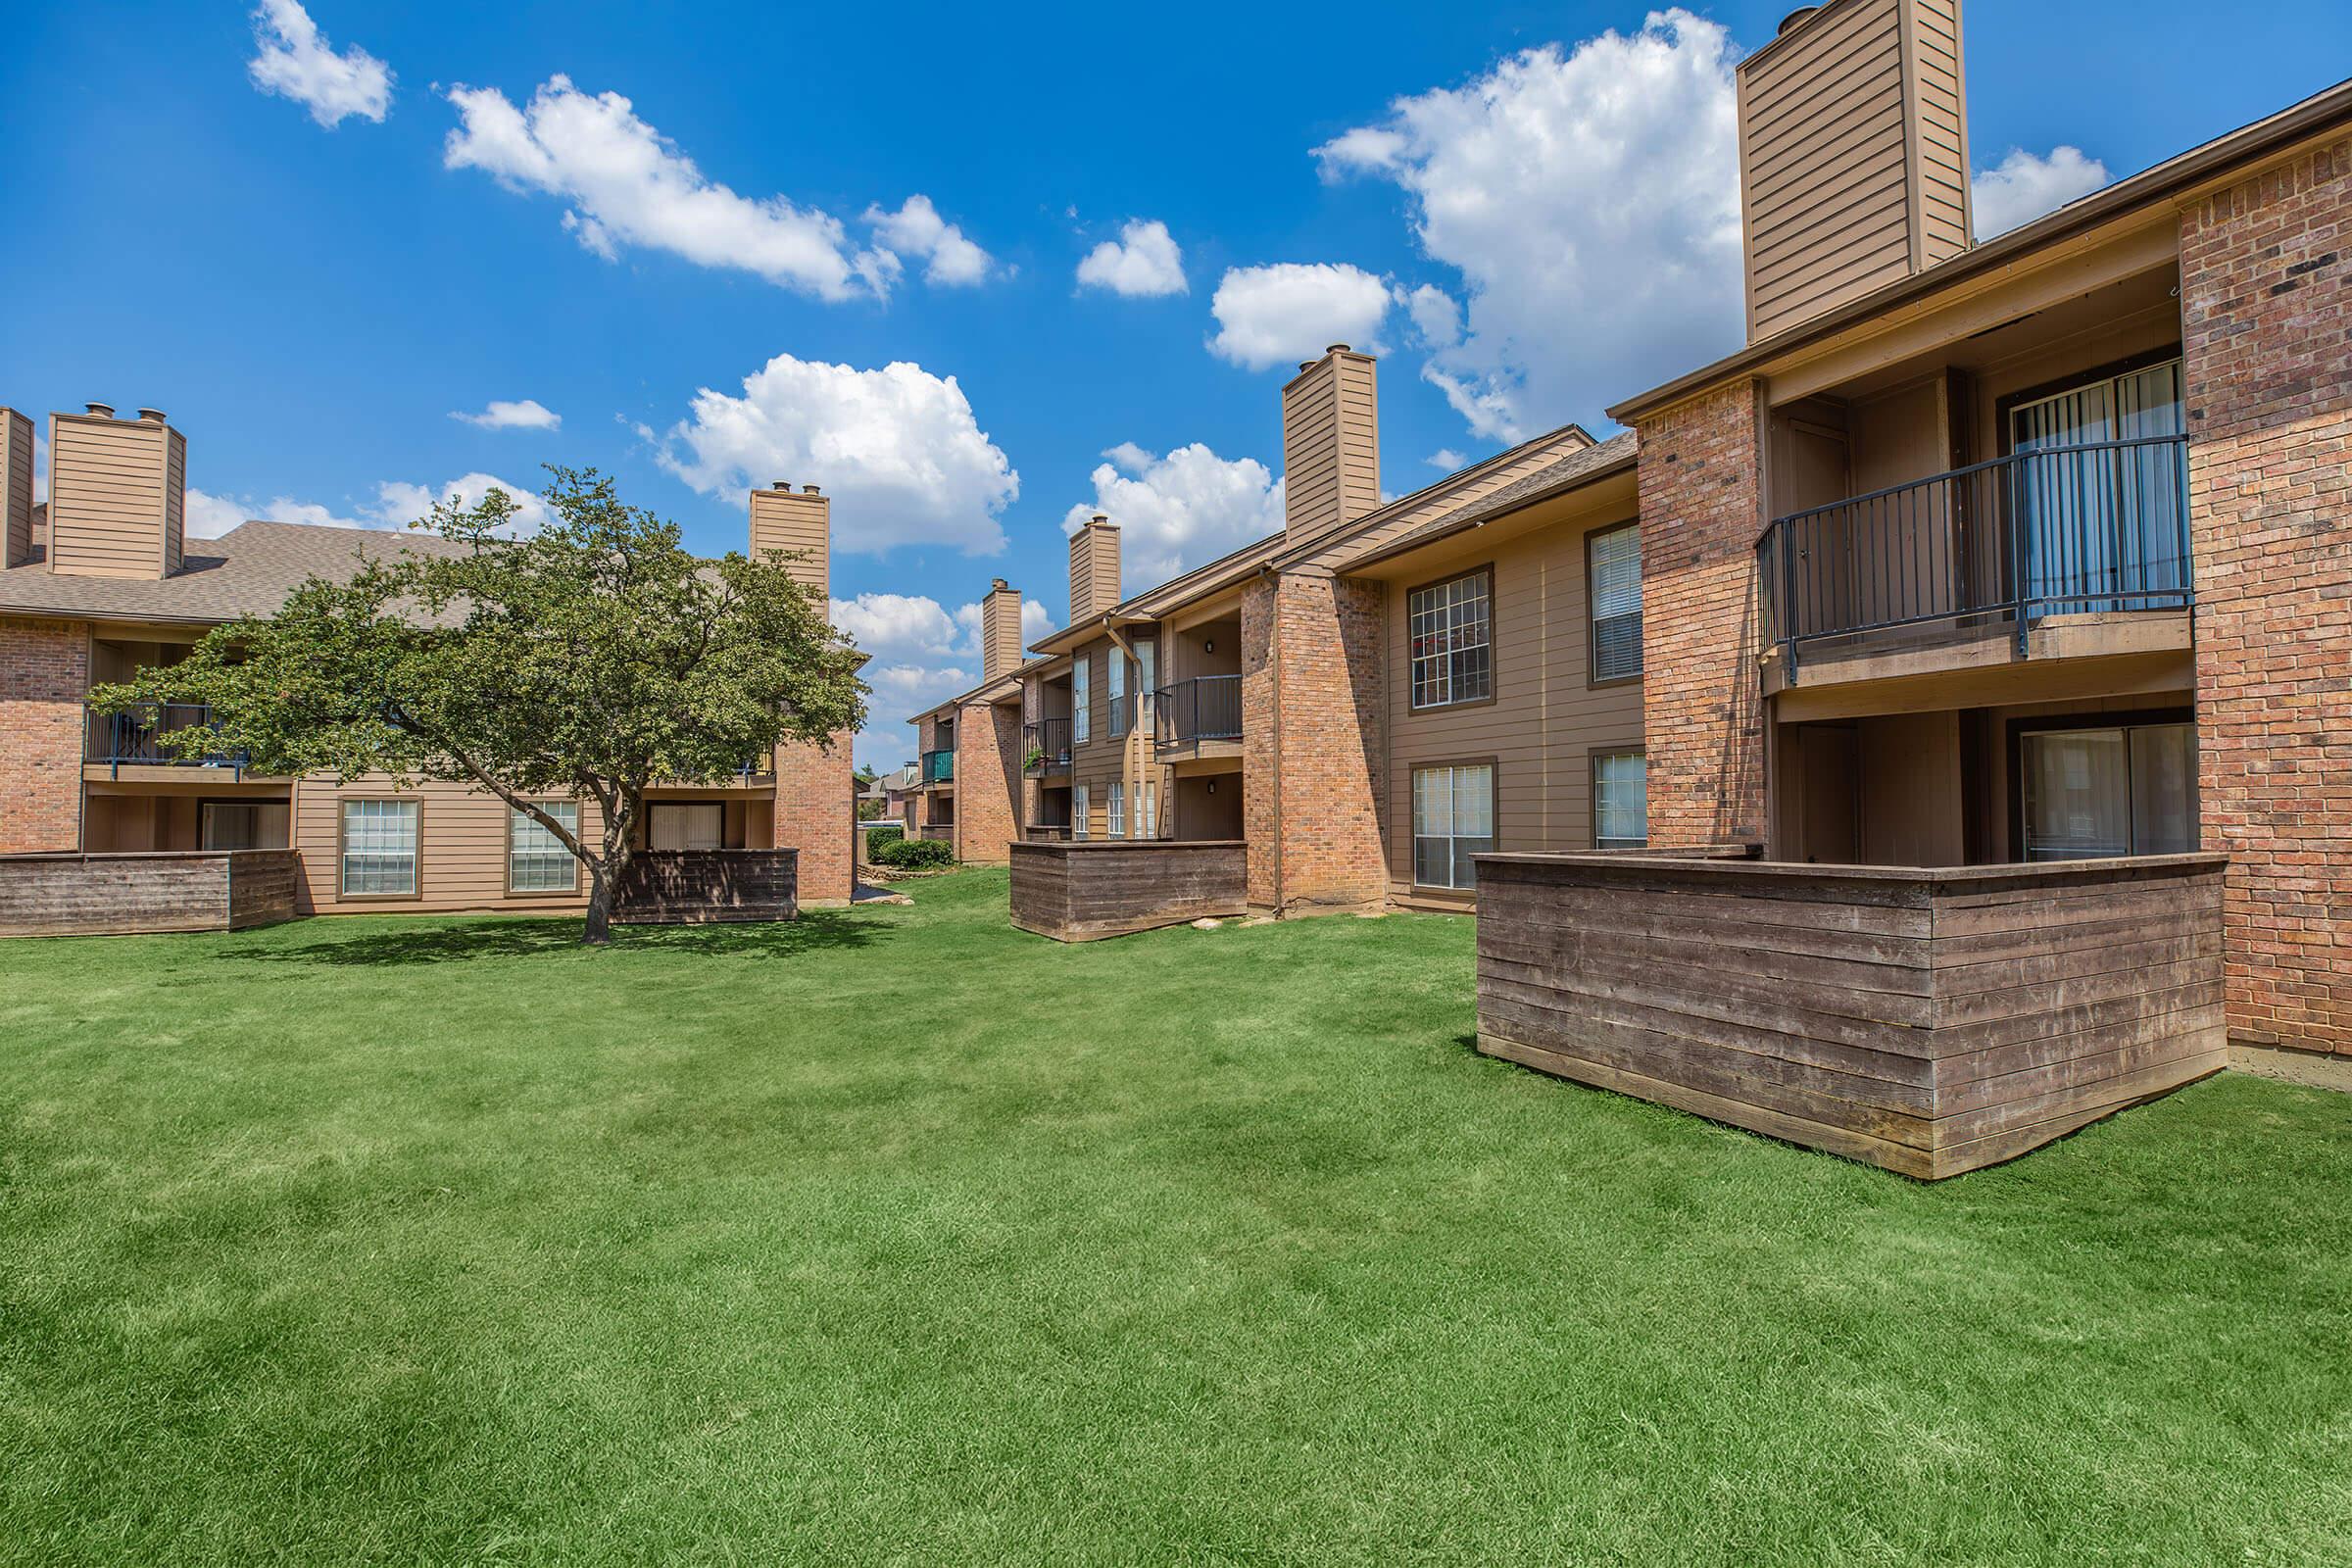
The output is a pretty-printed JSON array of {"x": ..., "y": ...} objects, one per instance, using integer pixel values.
[
  {"x": 809, "y": 490},
  {"x": 780, "y": 484},
  {"x": 1791, "y": 20},
  {"x": 1099, "y": 520},
  {"x": 1337, "y": 348},
  {"x": 99, "y": 411},
  {"x": 153, "y": 416},
  {"x": 999, "y": 585}
]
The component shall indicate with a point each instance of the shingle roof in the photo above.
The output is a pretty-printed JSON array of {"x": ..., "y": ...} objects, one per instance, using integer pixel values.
[
  {"x": 247, "y": 572},
  {"x": 1586, "y": 463}
]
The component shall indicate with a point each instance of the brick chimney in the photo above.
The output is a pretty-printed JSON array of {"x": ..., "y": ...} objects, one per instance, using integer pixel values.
[
  {"x": 1330, "y": 444},
  {"x": 1094, "y": 570},
  {"x": 117, "y": 494},
  {"x": 16, "y": 487},
  {"x": 1853, "y": 155},
  {"x": 798, "y": 525},
  {"x": 999, "y": 631}
]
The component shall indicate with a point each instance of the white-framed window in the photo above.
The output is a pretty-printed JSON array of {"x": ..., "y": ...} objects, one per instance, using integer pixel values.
[
  {"x": 380, "y": 848},
  {"x": 1118, "y": 690},
  {"x": 1620, "y": 800},
  {"x": 1614, "y": 560},
  {"x": 1454, "y": 818},
  {"x": 1146, "y": 677},
  {"x": 536, "y": 860},
  {"x": 1081, "y": 806},
  {"x": 1115, "y": 811},
  {"x": 1082, "y": 698},
  {"x": 1451, "y": 628},
  {"x": 1146, "y": 809}
]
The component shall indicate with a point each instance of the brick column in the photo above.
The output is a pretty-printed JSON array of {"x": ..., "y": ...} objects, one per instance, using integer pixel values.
[
  {"x": 44, "y": 673},
  {"x": 816, "y": 809},
  {"x": 2266, "y": 297},
  {"x": 1702, "y": 484},
  {"x": 1261, "y": 780},
  {"x": 1314, "y": 724},
  {"x": 988, "y": 773}
]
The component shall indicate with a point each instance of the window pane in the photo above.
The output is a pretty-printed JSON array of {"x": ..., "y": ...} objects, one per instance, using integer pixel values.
[
  {"x": 2164, "y": 789},
  {"x": 1080, "y": 807},
  {"x": 1454, "y": 818},
  {"x": 1082, "y": 698},
  {"x": 1616, "y": 590},
  {"x": 536, "y": 860},
  {"x": 1449, "y": 629},
  {"x": 2078, "y": 794},
  {"x": 379, "y": 847},
  {"x": 1621, "y": 802}
]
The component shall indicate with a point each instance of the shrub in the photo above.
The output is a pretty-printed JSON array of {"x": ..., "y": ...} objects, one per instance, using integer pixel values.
[
  {"x": 914, "y": 855},
  {"x": 876, "y": 837}
]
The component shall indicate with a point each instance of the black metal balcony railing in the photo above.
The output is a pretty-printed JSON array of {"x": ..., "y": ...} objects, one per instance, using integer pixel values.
[
  {"x": 1207, "y": 707},
  {"x": 2098, "y": 526},
  {"x": 939, "y": 767},
  {"x": 135, "y": 737},
  {"x": 1045, "y": 747}
]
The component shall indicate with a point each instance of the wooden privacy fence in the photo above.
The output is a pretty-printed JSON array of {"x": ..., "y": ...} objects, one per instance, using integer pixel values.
[
  {"x": 1077, "y": 892},
  {"x": 161, "y": 889},
  {"x": 688, "y": 887},
  {"x": 1929, "y": 1021}
]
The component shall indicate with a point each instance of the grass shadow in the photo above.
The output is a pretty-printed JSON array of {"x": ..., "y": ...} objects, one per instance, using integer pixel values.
[{"x": 814, "y": 931}]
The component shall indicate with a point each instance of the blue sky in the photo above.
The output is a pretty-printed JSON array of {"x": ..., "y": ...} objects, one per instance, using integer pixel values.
[{"x": 850, "y": 245}]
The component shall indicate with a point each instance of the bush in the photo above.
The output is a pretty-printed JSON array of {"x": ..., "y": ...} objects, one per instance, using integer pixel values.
[
  {"x": 912, "y": 855},
  {"x": 876, "y": 837}
]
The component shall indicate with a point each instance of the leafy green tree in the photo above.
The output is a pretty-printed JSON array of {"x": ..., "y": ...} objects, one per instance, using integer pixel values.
[{"x": 591, "y": 658}]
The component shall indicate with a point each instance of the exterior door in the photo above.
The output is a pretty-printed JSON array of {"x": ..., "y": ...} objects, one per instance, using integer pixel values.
[{"x": 686, "y": 825}]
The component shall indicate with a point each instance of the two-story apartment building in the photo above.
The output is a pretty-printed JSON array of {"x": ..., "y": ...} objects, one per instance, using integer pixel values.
[{"x": 101, "y": 581}]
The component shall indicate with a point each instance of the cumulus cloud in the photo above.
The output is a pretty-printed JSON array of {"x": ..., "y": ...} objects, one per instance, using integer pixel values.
[
  {"x": 1589, "y": 199},
  {"x": 923, "y": 654},
  {"x": 1445, "y": 460},
  {"x": 209, "y": 516},
  {"x": 918, "y": 229},
  {"x": 2022, "y": 186},
  {"x": 295, "y": 61},
  {"x": 1178, "y": 510},
  {"x": 898, "y": 449},
  {"x": 1293, "y": 311},
  {"x": 397, "y": 504},
  {"x": 628, "y": 184},
  {"x": 1435, "y": 316},
  {"x": 1144, "y": 261},
  {"x": 528, "y": 415}
]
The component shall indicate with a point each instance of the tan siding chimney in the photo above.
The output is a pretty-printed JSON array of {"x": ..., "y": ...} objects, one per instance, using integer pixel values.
[
  {"x": 16, "y": 486},
  {"x": 1853, "y": 155},
  {"x": 999, "y": 631},
  {"x": 800, "y": 527},
  {"x": 1094, "y": 570},
  {"x": 118, "y": 495},
  {"x": 1330, "y": 444}
]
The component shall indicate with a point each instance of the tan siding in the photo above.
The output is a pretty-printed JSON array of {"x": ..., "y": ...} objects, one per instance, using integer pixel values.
[
  {"x": 16, "y": 487},
  {"x": 176, "y": 498},
  {"x": 1103, "y": 757},
  {"x": 1545, "y": 720},
  {"x": 1538, "y": 455},
  {"x": 1330, "y": 445},
  {"x": 110, "y": 495},
  {"x": 461, "y": 850},
  {"x": 798, "y": 525}
]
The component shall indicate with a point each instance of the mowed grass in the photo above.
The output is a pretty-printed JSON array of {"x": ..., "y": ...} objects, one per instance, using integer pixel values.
[{"x": 894, "y": 1235}]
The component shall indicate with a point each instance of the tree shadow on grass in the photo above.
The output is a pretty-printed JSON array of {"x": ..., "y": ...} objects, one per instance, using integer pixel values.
[{"x": 814, "y": 931}]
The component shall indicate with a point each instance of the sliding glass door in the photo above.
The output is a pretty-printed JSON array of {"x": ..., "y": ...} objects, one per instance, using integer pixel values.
[
  {"x": 2103, "y": 503},
  {"x": 2092, "y": 792}
]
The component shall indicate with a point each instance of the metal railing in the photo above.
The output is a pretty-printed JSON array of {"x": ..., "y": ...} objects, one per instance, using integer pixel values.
[
  {"x": 1207, "y": 707},
  {"x": 2098, "y": 526},
  {"x": 939, "y": 767},
  {"x": 1045, "y": 747},
  {"x": 135, "y": 737}
]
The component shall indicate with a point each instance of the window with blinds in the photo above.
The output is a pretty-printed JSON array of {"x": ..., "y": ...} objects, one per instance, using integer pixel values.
[
  {"x": 1454, "y": 818},
  {"x": 380, "y": 848},
  {"x": 1450, "y": 628},
  {"x": 1620, "y": 800},
  {"x": 1081, "y": 809},
  {"x": 1115, "y": 811},
  {"x": 1614, "y": 562},
  {"x": 1082, "y": 698},
  {"x": 1118, "y": 690},
  {"x": 536, "y": 860}
]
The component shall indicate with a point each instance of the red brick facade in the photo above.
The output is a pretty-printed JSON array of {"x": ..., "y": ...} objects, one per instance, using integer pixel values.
[
  {"x": 1314, "y": 743},
  {"x": 1701, "y": 696},
  {"x": 2266, "y": 293},
  {"x": 988, "y": 780},
  {"x": 815, "y": 813},
  {"x": 44, "y": 671}
]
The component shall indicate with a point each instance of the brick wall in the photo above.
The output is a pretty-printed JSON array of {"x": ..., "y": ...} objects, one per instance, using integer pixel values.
[
  {"x": 2265, "y": 274},
  {"x": 1261, "y": 782},
  {"x": 44, "y": 671},
  {"x": 1701, "y": 478},
  {"x": 988, "y": 780},
  {"x": 816, "y": 804}
]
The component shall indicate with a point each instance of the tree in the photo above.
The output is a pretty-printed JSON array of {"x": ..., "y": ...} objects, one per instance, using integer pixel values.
[{"x": 591, "y": 658}]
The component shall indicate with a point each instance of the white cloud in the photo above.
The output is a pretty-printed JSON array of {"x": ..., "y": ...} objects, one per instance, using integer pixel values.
[
  {"x": 923, "y": 654},
  {"x": 898, "y": 447},
  {"x": 2024, "y": 186},
  {"x": 1589, "y": 199},
  {"x": 1445, "y": 460},
  {"x": 1144, "y": 261},
  {"x": 296, "y": 61},
  {"x": 628, "y": 184},
  {"x": 918, "y": 229},
  {"x": 1291, "y": 310},
  {"x": 1179, "y": 510},
  {"x": 898, "y": 626},
  {"x": 1435, "y": 316},
  {"x": 209, "y": 516},
  {"x": 397, "y": 504},
  {"x": 528, "y": 415}
]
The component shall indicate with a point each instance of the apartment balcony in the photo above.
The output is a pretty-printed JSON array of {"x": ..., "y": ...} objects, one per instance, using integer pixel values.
[
  {"x": 135, "y": 741},
  {"x": 1199, "y": 718},
  {"x": 939, "y": 767},
  {"x": 2075, "y": 551},
  {"x": 1046, "y": 748},
  {"x": 1047, "y": 833}
]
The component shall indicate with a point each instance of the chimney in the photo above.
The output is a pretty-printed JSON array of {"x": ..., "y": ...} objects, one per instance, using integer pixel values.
[
  {"x": 798, "y": 525},
  {"x": 1094, "y": 570},
  {"x": 1853, "y": 155},
  {"x": 999, "y": 631},
  {"x": 118, "y": 495},
  {"x": 16, "y": 488},
  {"x": 1330, "y": 444}
]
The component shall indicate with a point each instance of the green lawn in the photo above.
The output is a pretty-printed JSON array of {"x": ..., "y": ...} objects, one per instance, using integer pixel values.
[{"x": 894, "y": 1235}]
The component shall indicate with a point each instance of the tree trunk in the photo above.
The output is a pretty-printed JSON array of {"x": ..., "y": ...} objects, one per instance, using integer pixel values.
[{"x": 598, "y": 931}]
